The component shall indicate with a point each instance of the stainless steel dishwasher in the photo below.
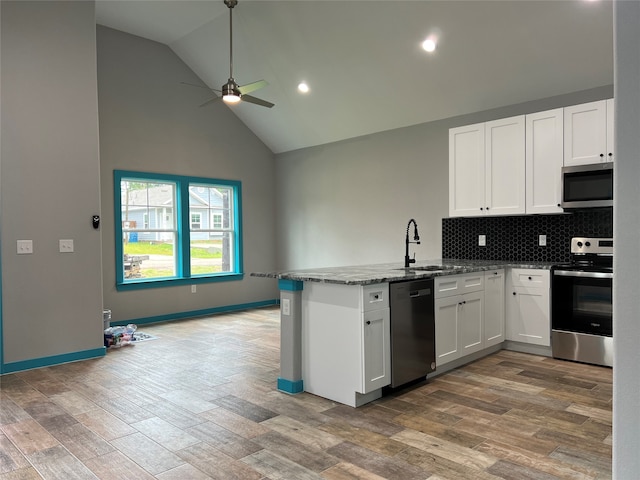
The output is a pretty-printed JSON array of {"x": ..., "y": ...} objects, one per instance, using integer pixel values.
[{"x": 413, "y": 351}]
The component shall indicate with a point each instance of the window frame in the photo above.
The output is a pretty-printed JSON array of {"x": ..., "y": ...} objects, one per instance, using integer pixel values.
[{"x": 183, "y": 226}]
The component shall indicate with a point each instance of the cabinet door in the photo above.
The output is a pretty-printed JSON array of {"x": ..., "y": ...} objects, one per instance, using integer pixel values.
[
  {"x": 376, "y": 350},
  {"x": 544, "y": 133},
  {"x": 446, "y": 318},
  {"x": 466, "y": 170},
  {"x": 505, "y": 166},
  {"x": 528, "y": 319},
  {"x": 585, "y": 133},
  {"x": 494, "y": 308},
  {"x": 610, "y": 131},
  {"x": 470, "y": 323}
]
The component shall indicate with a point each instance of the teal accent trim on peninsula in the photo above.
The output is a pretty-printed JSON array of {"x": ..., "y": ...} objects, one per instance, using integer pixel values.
[
  {"x": 196, "y": 313},
  {"x": 53, "y": 360},
  {"x": 290, "y": 386},
  {"x": 290, "y": 285}
]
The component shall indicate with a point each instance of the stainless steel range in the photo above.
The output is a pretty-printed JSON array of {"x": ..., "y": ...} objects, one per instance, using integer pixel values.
[{"x": 582, "y": 303}]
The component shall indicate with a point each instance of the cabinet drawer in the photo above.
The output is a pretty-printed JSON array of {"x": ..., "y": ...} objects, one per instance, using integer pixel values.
[
  {"x": 448, "y": 285},
  {"x": 375, "y": 296},
  {"x": 524, "y": 277}
]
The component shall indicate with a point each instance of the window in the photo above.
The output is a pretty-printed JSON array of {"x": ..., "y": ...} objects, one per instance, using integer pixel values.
[
  {"x": 195, "y": 221},
  {"x": 175, "y": 230}
]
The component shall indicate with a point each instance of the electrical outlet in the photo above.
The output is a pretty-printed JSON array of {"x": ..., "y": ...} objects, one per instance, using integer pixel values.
[
  {"x": 286, "y": 306},
  {"x": 194, "y": 288},
  {"x": 542, "y": 240},
  {"x": 482, "y": 240},
  {"x": 25, "y": 247},
  {"x": 66, "y": 246}
]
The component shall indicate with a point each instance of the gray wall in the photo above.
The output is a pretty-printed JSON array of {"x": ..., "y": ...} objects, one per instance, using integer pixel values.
[
  {"x": 150, "y": 122},
  {"x": 626, "y": 302},
  {"x": 348, "y": 203},
  {"x": 52, "y": 301}
]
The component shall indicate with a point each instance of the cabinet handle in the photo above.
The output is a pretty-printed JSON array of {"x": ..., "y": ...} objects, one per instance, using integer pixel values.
[
  {"x": 481, "y": 208},
  {"x": 368, "y": 322},
  {"x": 495, "y": 273},
  {"x": 487, "y": 208},
  {"x": 514, "y": 293},
  {"x": 558, "y": 204},
  {"x": 529, "y": 278},
  {"x": 610, "y": 154}
]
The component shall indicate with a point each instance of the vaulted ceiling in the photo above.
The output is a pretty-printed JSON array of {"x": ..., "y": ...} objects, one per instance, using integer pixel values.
[{"x": 364, "y": 63}]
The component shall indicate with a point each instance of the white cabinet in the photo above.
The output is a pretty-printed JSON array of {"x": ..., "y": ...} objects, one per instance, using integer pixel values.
[
  {"x": 346, "y": 334},
  {"x": 527, "y": 307},
  {"x": 544, "y": 159},
  {"x": 494, "y": 318},
  {"x": 459, "y": 316},
  {"x": 589, "y": 133},
  {"x": 466, "y": 170},
  {"x": 487, "y": 169}
]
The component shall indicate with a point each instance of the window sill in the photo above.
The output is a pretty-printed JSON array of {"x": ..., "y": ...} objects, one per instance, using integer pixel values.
[{"x": 143, "y": 283}]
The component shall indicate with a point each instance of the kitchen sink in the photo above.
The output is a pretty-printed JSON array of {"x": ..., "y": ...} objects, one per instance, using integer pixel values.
[{"x": 429, "y": 268}]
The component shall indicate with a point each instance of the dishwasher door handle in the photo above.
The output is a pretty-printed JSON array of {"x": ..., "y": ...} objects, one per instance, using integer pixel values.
[{"x": 419, "y": 293}]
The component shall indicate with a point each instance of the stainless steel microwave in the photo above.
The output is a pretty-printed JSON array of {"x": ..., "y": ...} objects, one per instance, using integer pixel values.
[{"x": 587, "y": 186}]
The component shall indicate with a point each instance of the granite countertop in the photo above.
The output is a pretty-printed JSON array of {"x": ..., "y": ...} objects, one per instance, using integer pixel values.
[{"x": 394, "y": 272}]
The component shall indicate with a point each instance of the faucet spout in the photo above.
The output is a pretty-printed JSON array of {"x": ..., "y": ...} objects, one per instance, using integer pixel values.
[{"x": 416, "y": 238}]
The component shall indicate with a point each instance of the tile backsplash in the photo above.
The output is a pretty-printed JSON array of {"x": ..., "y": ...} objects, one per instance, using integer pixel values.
[{"x": 516, "y": 237}]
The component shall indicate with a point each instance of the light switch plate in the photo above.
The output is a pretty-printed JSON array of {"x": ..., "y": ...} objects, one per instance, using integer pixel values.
[
  {"x": 66, "y": 246},
  {"x": 25, "y": 247},
  {"x": 482, "y": 240}
]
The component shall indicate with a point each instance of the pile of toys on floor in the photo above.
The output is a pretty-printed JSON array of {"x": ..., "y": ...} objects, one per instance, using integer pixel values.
[{"x": 119, "y": 336}]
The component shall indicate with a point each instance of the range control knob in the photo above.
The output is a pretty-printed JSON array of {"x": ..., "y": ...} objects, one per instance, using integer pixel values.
[
  {"x": 579, "y": 244},
  {"x": 587, "y": 244}
]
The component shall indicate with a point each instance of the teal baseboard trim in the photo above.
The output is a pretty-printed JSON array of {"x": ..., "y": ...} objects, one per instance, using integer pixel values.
[
  {"x": 53, "y": 360},
  {"x": 290, "y": 285},
  {"x": 290, "y": 386},
  {"x": 196, "y": 313}
]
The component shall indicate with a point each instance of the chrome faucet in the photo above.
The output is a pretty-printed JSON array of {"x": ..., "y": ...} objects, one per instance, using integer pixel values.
[{"x": 416, "y": 239}]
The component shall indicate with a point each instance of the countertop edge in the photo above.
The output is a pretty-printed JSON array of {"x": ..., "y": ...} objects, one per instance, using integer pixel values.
[{"x": 387, "y": 273}]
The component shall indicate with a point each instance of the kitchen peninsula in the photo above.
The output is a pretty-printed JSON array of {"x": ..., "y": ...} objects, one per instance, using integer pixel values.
[{"x": 335, "y": 322}]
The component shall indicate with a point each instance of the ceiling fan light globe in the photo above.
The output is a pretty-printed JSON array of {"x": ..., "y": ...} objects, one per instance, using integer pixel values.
[{"x": 231, "y": 98}]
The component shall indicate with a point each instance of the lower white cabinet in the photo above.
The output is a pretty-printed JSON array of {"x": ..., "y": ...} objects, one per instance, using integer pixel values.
[
  {"x": 527, "y": 307},
  {"x": 459, "y": 316},
  {"x": 494, "y": 308},
  {"x": 346, "y": 352}
]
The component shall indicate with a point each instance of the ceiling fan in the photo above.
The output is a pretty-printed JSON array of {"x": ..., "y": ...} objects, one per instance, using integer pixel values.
[{"x": 231, "y": 91}]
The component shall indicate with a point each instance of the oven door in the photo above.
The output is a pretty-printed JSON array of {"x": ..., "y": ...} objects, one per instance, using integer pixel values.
[{"x": 582, "y": 301}]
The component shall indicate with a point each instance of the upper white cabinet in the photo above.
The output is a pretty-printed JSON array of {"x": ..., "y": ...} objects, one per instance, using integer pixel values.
[
  {"x": 544, "y": 156},
  {"x": 487, "y": 168},
  {"x": 466, "y": 170},
  {"x": 589, "y": 133}
]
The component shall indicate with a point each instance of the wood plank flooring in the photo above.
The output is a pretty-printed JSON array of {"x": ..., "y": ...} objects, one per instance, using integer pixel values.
[{"x": 200, "y": 403}]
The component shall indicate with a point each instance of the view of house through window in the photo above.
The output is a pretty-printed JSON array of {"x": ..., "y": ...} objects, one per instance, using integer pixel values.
[{"x": 176, "y": 227}]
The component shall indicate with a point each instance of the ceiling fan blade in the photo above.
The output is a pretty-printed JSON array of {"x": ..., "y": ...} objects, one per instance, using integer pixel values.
[
  {"x": 252, "y": 87},
  {"x": 200, "y": 86},
  {"x": 257, "y": 101},
  {"x": 210, "y": 101}
]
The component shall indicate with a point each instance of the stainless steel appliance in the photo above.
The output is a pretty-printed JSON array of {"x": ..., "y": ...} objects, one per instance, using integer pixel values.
[
  {"x": 582, "y": 303},
  {"x": 413, "y": 352},
  {"x": 587, "y": 186}
]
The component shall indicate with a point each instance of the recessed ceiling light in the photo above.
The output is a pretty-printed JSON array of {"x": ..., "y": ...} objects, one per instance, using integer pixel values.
[
  {"x": 429, "y": 44},
  {"x": 303, "y": 87}
]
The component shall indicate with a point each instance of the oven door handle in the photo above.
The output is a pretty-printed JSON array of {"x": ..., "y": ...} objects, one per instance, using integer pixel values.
[{"x": 572, "y": 273}]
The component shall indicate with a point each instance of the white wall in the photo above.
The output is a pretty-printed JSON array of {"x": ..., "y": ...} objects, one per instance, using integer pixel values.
[
  {"x": 348, "y": 203},
  {"x": 52, "y": 301},
  {"x": 626, "y": 303},
  {"x": 150, "y": 122}
]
